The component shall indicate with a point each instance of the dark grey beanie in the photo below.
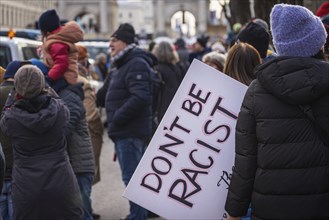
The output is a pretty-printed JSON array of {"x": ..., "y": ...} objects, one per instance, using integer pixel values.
[{"x": 29, "y": 81}]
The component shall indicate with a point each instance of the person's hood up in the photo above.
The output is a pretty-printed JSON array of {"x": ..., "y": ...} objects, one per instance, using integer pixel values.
[
  {"x": 295, "y": 80},
  {"x": 70, "y": 32},
  {"x": 44, "y": 119}
]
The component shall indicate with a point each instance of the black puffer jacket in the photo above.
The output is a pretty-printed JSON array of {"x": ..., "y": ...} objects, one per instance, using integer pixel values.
[
  {"x": 171, "y": 76},
  {"x": 43, "y": 183},
  {"x": 128, "y": 100},
  {"x": 282, "y": 163}
]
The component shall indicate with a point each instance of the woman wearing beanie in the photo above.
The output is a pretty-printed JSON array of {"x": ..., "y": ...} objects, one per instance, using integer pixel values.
[
  {"x": 58, "y": 51},
  {"x": 282, "y": 133},
  {"x": 44, "y": 185}
]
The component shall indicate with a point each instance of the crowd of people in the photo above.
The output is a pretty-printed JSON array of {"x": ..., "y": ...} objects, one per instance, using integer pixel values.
[{"x": 52, "y": 133}]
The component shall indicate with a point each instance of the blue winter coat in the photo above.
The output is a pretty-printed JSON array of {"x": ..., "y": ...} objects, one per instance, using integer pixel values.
[{"x": 128, "y": 99}]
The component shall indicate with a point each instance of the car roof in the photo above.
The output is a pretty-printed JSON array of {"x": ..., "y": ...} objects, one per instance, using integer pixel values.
[
  {"x": 14, "y": 40},
  {"x": 32, "y": 34}
]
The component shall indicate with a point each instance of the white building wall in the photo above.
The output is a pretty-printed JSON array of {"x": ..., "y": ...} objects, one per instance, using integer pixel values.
[
  {"x": 138, "y": 13},
  {"x": 21, "y": 13}
]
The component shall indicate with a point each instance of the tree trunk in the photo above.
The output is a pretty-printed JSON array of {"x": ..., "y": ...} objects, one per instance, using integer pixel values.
[
  {"x": 263, "y": 9},
  {"x": 240, "y": 11}
]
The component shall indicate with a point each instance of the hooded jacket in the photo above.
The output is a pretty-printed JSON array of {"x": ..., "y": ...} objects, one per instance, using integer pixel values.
[
  {"x": 61, "y": 54},
  {"x": 42, "y": 168},
  {"x": 282, "y": 163},
  {"x": 128, "y": 99}
]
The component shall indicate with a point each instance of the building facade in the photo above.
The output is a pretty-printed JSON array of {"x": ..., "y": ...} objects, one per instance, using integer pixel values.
[
  {"x": 21, "y": 13},
  {"x": 99, "y": 18}
]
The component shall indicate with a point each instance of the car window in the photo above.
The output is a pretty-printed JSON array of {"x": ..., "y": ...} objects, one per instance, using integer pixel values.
[
  {"x": 5, "y": 56},
  {"x": 29, "y": 52},
  {"x": 94, "y": 51}
]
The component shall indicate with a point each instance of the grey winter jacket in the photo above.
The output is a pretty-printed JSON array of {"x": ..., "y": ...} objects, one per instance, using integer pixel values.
[{"x": 78, "y": 138}]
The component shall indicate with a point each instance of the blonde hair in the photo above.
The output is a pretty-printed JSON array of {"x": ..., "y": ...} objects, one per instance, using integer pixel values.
[
  {"x": 165, "y": 52},
  {"x": 241, "y": 60},
  {"x": 215, "y": 59}
]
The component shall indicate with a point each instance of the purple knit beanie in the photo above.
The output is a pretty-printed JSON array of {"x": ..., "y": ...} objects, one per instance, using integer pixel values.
[{"x": 296, "y": 31}]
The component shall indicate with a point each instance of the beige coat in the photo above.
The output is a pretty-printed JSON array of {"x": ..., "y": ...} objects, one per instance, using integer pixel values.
[{"x": 95, "y": 124}]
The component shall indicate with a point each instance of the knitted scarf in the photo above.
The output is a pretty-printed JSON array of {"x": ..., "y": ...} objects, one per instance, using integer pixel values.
[{"x": 123, "y": 52}]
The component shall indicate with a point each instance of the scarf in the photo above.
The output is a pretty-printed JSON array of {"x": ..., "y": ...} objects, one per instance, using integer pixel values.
[{"x": 123, "y": 52}]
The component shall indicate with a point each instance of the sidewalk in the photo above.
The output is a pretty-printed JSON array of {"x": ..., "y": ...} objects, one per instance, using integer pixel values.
[{"x": 106, "y": 196}]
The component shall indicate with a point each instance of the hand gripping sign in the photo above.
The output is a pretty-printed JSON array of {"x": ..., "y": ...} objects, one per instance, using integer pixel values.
[{"x": 186, "y": 169}]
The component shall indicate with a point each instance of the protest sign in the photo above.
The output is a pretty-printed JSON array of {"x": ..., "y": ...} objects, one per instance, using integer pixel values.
[{"x": 186, "y": 169}]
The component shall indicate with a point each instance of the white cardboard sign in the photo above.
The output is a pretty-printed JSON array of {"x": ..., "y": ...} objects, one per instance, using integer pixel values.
[{"x": 186, "y": 169}]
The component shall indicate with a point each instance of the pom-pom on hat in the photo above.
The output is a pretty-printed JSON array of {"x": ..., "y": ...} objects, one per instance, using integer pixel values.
[
  {"x": 126, "y": 33},
  {"x": 29, "y": 81},
  {"x": 49, "y": 21},
  {"x": 296, "y": 31},
  {"x": 257, "y": 36},
  {"x": 323, "y": 9}
]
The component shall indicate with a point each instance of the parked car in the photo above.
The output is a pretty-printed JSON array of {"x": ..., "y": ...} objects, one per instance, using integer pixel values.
[
  {"x": 17, "y": 49},
  {"x": 32, "y": 34}
]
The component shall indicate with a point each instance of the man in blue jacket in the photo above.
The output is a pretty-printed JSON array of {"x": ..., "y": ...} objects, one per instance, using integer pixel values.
[{"x": 128, "y": 104}]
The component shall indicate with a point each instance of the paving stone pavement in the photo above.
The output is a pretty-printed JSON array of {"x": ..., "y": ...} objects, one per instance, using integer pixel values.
[{"x": 106, "y": 195}]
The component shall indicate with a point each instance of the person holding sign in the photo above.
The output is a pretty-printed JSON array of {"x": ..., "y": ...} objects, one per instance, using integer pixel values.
[{"x": 282, "y": 145}]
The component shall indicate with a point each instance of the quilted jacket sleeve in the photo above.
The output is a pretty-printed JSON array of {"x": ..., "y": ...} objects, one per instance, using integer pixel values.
[{"x": 242, "y": 181}]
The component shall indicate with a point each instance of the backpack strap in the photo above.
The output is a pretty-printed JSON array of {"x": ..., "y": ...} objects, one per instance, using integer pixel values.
[{"x": 322, "y": 132}]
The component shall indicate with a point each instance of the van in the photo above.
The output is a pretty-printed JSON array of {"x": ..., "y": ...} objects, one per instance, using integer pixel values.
[{"x": 17, "y": 49}]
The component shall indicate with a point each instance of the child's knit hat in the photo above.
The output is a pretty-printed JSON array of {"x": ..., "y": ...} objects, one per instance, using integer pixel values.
[
  {"x": 49, "y": 21},
  {"x": 296, "y": 31}
]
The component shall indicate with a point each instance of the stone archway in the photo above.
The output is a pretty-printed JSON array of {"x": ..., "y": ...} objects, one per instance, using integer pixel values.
[
  {"x": 183, "y": 24},
  {"x": 165, "y": 10},
  {"x": 100, "y": 14}
]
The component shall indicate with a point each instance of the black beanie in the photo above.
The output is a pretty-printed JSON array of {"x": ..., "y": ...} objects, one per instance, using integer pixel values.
[
  {"x": 257, "y": 36},
  {"x": 49, "y": 21},
  {"x": 203, "y": 40},
  {"x": 126, "y": 33}
]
